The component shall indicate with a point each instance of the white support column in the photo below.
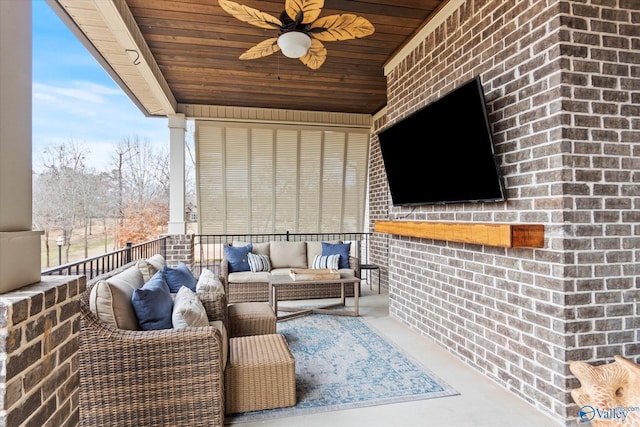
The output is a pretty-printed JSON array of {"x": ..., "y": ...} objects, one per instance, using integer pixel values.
[
  {"x": 177, "y": 126},
  {"x": 19, "y": 245}
]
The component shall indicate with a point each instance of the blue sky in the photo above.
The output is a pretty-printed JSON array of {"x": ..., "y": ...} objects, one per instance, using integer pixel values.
[{"x": 74, "y": 99}]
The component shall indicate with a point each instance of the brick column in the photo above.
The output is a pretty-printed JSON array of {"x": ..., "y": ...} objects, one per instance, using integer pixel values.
[
  {"x": 39, "y": 335},
  {"x": 180, "y": 249}
]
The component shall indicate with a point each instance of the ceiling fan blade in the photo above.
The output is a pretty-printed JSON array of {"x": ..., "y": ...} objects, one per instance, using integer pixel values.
[
  {"x": 262, "y": 49},
  {"x": 341, "y": 27},
  {"x": 315, "y": 56},
  {"x": 310, "y": 9},
  {"x": 250, "y": 15}
]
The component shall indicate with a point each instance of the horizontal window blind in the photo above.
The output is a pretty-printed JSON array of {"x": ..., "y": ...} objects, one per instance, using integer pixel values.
[{"x": 255, "y": 178}]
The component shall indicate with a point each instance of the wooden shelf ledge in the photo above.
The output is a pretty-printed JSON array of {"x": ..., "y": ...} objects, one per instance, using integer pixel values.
[{"x": 490, "y": 234}]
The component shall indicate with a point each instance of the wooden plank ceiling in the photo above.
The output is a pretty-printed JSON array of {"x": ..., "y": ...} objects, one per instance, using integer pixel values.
[{"x": 197, "y": 44}]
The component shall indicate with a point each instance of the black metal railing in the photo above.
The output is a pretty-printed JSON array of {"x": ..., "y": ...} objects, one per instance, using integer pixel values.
[
  {"x": 102, "y": 264},
  {"x": 207, "y": 251},
  {"x": 209, "y": 248}
]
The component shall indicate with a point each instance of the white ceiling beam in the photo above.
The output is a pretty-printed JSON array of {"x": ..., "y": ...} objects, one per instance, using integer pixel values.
[{"x": 118, "y": 17}]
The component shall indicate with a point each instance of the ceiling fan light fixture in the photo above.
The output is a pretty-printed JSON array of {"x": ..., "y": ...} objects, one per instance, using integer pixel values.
[{"x": 294, "y": 44}]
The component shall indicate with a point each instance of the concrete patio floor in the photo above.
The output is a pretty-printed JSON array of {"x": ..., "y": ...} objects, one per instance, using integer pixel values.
[{"x": 481, "y": 402}]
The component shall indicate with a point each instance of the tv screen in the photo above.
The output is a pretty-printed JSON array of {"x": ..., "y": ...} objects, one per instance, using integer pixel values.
[{"x": 444, "y": 152}]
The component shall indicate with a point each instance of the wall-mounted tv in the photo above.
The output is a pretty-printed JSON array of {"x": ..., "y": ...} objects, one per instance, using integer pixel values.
[{"x": 444, "y": 152}]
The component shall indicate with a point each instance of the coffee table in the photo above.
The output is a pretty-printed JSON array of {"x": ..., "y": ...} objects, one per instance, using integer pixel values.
[{"x": 277, "y": 281}]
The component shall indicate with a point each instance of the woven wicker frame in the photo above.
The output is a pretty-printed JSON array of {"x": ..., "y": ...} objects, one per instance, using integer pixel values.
[{"x": 151, "y": 378}]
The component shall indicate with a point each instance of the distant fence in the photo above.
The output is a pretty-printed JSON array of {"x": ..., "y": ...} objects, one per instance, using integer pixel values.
[
  {"x": 208, "y": 248},
  {"x": 102, "y": 264}
]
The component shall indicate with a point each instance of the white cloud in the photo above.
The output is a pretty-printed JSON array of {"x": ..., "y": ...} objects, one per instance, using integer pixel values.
[
  {"x": 79, "y": 91},
  {"x": 75, "y": 91},
  {"x": 95, "y": 115},
  {"x": 74, "y": 99}
]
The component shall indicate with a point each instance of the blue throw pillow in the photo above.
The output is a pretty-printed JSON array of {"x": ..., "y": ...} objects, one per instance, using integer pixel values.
[
  {"x": 238, "y": 257},
  {"x": 179, "y": 276},
  {"x": 341, "y": 249},
  {"x": 153, "y": 304}
]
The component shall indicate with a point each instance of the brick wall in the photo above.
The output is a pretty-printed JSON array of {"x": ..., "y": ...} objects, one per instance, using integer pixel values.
[
  {"x": 39, "y": 336},
  {"x": 379, "y": 205},
  {"x": 562, "y": 84}
]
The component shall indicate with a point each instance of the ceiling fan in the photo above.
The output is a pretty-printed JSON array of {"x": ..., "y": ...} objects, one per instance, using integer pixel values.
[{"x": 301, "y": 30}]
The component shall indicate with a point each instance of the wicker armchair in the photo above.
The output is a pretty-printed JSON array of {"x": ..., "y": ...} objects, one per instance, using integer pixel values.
[{"x": 151, "y": 378}]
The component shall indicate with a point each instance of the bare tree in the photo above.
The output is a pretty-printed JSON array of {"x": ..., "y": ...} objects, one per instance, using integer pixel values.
[
  {"x": 91, "y": 204},
  {"x": 106, "y": 206},
  {"x": 67, "y": 194},
  {"x": 65, "y": 185},
  {"x": 45, "y": 213},
  {"x": 141, "y": 173},
  {"x": 190, "y": 165}
]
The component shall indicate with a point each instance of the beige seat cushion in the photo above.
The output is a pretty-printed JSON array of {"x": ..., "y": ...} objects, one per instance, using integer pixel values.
[
  {"x": 219, "y": 325},
  {"x": 110, "y": 299},
  {"x": 281, "y": 271},
  {"x": 248, "y": 277},
  {"x": 288, "y": 255},
  {"x": 258, "y": 248}
]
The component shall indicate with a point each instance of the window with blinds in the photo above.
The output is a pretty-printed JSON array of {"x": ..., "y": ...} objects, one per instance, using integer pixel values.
[{"x": 255, "y": 178}]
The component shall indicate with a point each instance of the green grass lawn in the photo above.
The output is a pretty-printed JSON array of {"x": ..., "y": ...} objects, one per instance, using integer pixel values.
[{"x": 95, "y": 247}]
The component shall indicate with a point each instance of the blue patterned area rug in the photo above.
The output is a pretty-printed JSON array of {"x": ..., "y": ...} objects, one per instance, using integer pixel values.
[{"x": 341, "y": 363}]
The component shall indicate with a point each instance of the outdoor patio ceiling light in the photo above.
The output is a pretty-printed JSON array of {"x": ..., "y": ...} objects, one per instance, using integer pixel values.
[
  {"x": 294, "y": 44},
  {"x": 299, "y": 22}
]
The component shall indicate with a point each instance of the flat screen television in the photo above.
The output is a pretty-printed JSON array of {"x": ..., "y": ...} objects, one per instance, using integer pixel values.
[{"x": 444, "y": 152}]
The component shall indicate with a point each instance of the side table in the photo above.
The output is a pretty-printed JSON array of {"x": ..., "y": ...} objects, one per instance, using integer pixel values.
[{"x": 370, "y": 267}]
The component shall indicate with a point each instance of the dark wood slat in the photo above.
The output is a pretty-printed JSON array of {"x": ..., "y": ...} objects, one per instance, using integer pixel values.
[{"x": 197, "y": 45}]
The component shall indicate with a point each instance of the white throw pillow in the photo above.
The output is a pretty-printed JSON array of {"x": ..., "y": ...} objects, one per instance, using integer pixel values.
[
  {"x": 208, "y": 282},
  {"x": 146, "y": 269},
  {"x": 188, "y": 311},
  {"x": 258, "y": 262},
  {"x": 326, "y": 261},
  {"x": 157, "y": 261},
  {"x": 149, "y": 267}
]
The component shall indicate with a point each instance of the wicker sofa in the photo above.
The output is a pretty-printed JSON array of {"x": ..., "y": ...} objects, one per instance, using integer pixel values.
[
  {"x": 133, "y": 377},
  {"x": 244, "y": 286}
]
